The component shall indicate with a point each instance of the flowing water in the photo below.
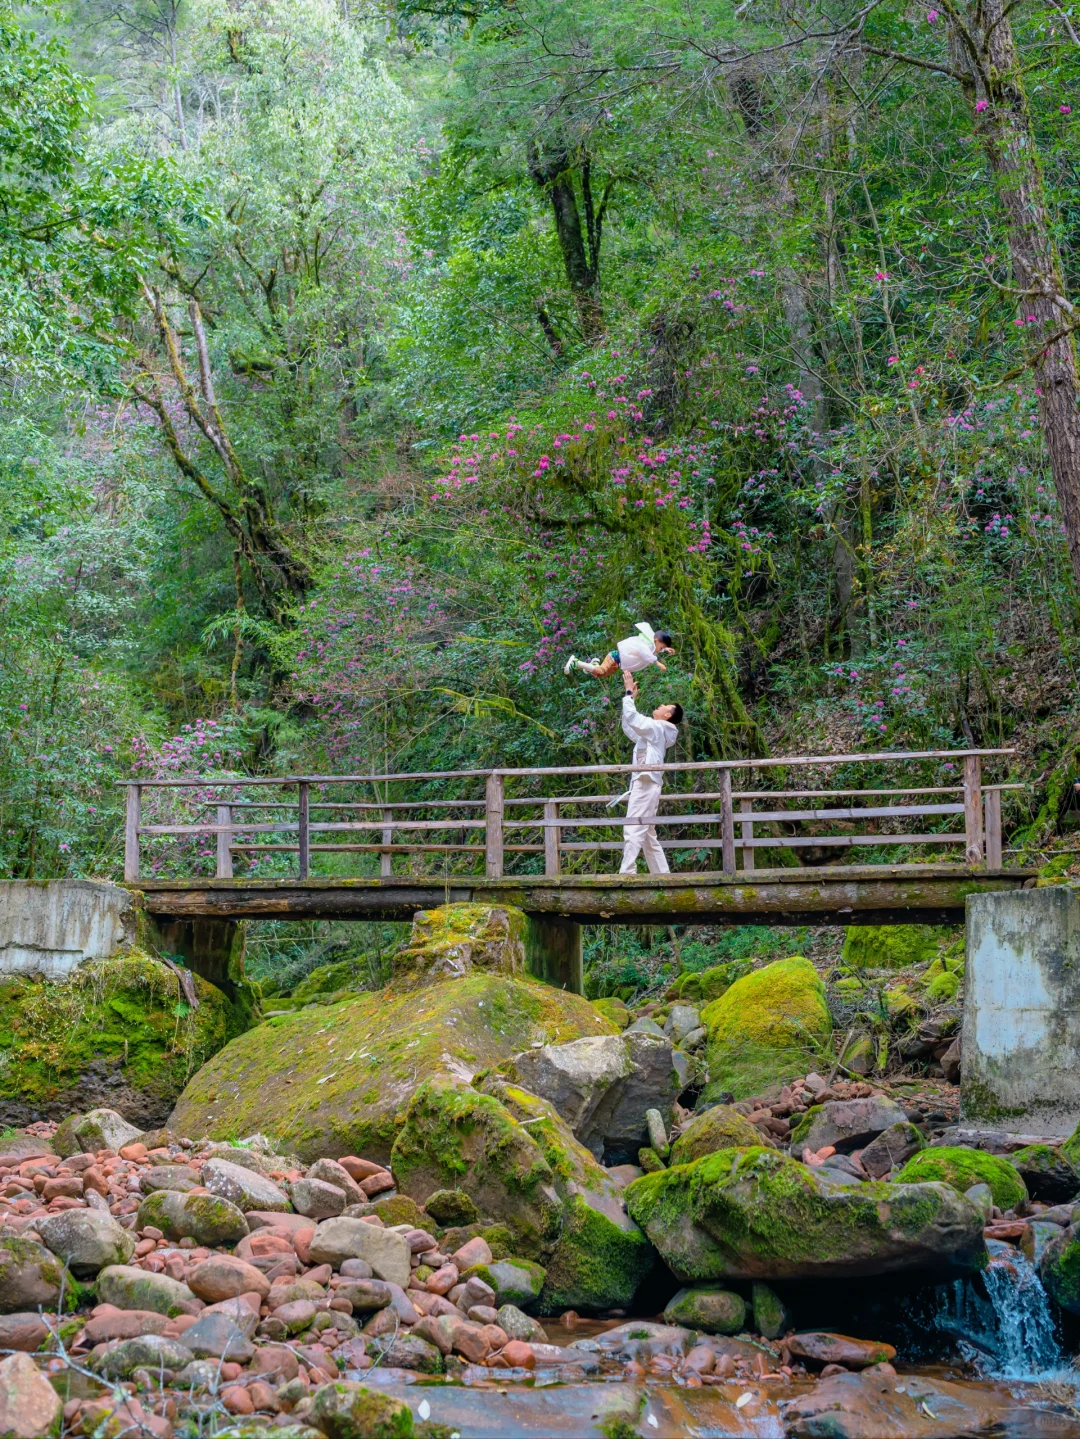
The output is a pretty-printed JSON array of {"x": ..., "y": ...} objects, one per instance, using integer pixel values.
[{"x": 1002, "y": 1322}]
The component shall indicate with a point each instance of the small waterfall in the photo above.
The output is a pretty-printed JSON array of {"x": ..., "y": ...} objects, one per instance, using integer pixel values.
[{"x": 1002, "y": 1322}]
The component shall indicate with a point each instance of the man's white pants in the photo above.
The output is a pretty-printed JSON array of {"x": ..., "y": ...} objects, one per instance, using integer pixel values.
[{"x": 642, "y": 805}]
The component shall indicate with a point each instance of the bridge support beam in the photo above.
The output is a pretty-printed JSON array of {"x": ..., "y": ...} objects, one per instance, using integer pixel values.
[
  {"x": 1021, "y": 1038},
  {"x": 553, "y": 951},
  {"x": 210, "y": 947}
]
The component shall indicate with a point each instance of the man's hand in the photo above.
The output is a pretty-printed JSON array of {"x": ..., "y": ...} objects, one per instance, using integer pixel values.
[{"x": 630, "y": 684}]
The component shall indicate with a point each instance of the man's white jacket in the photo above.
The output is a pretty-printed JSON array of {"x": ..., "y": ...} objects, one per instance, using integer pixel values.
[{"x": 651, "y": 738}]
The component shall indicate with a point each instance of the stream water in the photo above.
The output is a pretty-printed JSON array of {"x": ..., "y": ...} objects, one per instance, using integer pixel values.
[{"x": 1002, "y": 1323}]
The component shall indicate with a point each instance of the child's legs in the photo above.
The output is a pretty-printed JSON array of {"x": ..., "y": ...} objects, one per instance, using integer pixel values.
[{"x": 607, "y": 666}]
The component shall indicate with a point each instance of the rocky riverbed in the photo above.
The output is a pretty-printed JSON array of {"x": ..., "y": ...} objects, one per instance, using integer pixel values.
[{"x": 590, "y": 1232}]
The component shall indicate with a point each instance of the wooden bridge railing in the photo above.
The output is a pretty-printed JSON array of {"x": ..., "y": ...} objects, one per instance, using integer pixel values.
[{"x": 490, "y": 827}]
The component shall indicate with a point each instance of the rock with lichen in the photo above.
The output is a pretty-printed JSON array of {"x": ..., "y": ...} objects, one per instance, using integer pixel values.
[
  {"x": 768, "y": 1027},
  {"x": 961, "y": 1168},
  {"x": 284, "y": 1076},
  {"x": 757, "y": 1214},
  {"x": 523, "y": 1167}
]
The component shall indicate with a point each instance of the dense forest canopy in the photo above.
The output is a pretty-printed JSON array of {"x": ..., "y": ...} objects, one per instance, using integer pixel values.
[{"x": 358, "y": 365}]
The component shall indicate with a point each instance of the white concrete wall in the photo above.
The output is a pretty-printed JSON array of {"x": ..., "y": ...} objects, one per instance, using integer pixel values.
[
  {"x": 1021, "y": 1034},
  {"x": 51, "y": 927}
]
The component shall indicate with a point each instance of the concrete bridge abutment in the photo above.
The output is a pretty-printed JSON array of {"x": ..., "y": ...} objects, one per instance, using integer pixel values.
[{"x": 1021, "y": 1027}]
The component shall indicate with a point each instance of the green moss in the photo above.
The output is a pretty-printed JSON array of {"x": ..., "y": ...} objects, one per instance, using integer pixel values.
[
  {"x": 964, "y": 1167},
  {"x": 718, "y": 1128},
  {"x": 340, "y": 1080},
  {"x": 742, "y": 1212},
  {"x": 127, "y": 1011},
  {"x": 1059, "y": 1271},
  {"x": 708, "y": 984},
  {"x": 769, "y": 1026},
  {"x": 612, "y": 1009},
  {"x": 894, "y": 946},
  {"x": 454, "y": 1137},
  {"x": 596, "y": 1265},
  {"x": 650, "y": 1161},
  {"x": 943, "y": 987}
]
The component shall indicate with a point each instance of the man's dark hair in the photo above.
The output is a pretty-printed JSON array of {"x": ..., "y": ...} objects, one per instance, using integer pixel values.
[
  {"x": 663, "y": 637},
  {"x": 676, "y": 716}
]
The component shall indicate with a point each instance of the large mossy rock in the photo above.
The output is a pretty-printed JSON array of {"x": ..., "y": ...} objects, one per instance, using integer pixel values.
[
  {"x": 756, "y": 1214},
  {"x": 894, "y": 946},
  {"x": 962, "y": 1168},
  {"x": 340, "y": 1080},
  {"x": 116, "y": 1032},
  {"x": 764, "y": 1029},
  {"x": 1059, "y": 1269},
  {"x": 720, "y": 1127},
  {"x": 523, "y": 1168}
]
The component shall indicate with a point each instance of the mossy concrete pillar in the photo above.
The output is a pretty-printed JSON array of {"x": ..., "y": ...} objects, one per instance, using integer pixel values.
[
  {"x": 553, "y": 951},
  {"x": 1020, "y": 1068}
]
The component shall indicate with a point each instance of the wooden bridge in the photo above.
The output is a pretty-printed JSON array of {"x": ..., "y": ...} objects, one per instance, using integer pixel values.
[{"x": 538, "y": 839}]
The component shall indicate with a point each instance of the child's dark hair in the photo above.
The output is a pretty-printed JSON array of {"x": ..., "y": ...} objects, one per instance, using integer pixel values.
[
  {"x": 676, "y": 714},
  {"x": 663, "y": 637}
]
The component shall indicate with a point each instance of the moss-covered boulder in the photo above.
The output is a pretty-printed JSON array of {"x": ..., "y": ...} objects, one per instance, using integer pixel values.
[
  {"x": 614, "y": 1010},
  {"x": 1047, "y": 1174},
  {"x": 756, "y": 1214},
  {"x": 1070, "y": 1148},
  {"x": 704, "y": 985},
  {"x": 523, "y": 1167},
  {"x": 720, "y": 1127},
  {"x": 351, "y": 1411},
  {"x": 339, "y": 1081},
  {"x": 453, "y": 1134},
  {"x": 708, "y": 1307},
  {"x": 767, "y": 1027},
  {"x": 30, "y": 1275},
  {"x": 515, "y": 1281},
  {"x": 962, "y": 1168},
  {"x": 894, "y": 946},
  {"x": 1059, "y": 1269},
  {"x": 455, "y": 939},
  {"x": 116, "y": 1032}
]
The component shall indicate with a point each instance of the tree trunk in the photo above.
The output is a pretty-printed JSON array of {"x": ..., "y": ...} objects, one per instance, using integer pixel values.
[
  {"x": 553, "y": 172},
  {"x": 1007, "y": 135}
]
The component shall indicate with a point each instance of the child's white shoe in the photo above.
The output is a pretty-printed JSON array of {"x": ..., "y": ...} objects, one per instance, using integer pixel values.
[{"x": 571, "y": 664}]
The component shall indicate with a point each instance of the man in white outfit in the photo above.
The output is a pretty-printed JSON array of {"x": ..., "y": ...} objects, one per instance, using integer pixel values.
[{"x": 652, "y": 738}]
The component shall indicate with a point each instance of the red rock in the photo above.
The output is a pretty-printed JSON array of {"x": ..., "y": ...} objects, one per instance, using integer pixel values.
[
  {"x": 135, "y": 1151},
  {"x": 273, "y": 1219},
  {"x": 29, "y": 1405},
  {"x": 360, "y": 1168},
  {"x": 126, "y": 1324},
  {"x": 825, "y": 1348},
  {"x": 476, "y": 1251},
  {"x": 443, "y": 1280},
  {"x": 263, "y": 1397},
  {"x": 237, "y": 1400},
  {"x": 263, "y": 1243},
  {"x": 519, "y": 1355},
  {"x": 495, "y": 1335},
  {"x": 70, "y": 1188},
  {"x": 1014, "y": 1229},
  {"x": 377, "y": 1183},
  {"x": 231, "y": 1371},
  {"x": 321, "y": 1274},
  {"x": 25, "y": 1332},
  {"x": 302, "y": 1244},
  {"x": 700, "y": 1360},
  {"x": 223, "y": 1276},
  {"x": 276, "y": 1360}
]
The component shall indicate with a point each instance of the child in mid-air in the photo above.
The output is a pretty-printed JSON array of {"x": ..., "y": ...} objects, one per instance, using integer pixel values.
[{"x": 635, "y": 653}]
